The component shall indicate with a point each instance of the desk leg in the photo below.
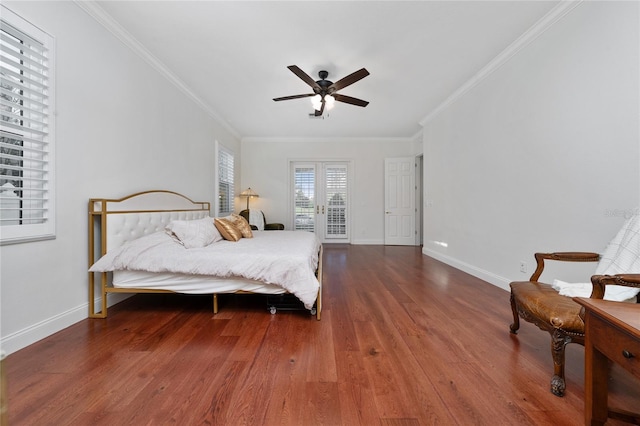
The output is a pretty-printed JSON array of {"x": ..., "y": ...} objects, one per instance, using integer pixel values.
[{"x": 595, "y": 385}]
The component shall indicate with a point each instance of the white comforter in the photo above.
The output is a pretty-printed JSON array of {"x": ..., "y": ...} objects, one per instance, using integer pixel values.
[{"x": 285, "y": 258}]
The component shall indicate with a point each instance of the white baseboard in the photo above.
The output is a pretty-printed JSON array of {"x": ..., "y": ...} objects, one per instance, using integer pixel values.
[
  {"x": 27, "y": 336},
  {"x": 366, "y": 242},
  {"x": 487, "y": 276}
]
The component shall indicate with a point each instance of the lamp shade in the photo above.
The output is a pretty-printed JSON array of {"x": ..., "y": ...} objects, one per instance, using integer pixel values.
[{"x": 249, "y": 193}]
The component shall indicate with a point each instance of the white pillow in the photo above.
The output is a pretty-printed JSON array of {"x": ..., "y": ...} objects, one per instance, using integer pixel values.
[{"x": 194, "y": 233}]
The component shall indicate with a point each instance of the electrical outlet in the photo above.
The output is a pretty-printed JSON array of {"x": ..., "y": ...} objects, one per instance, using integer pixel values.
[{"x": 523, "y": 267}]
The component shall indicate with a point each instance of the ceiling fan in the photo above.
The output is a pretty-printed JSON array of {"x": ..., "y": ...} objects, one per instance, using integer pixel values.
[{"x": 324, "y": 91}]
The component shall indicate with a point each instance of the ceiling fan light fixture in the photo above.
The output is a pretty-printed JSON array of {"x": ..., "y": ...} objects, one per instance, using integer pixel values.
[
  {"x": 316, "y": 101},
  {"x": 324, "y": 91},
  {"x": 329, "y": 101}
]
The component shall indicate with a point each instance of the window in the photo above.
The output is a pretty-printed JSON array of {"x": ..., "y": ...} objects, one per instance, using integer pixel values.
[
  {"x": 225, "y": 182},
  {"x": 26, "y": 131}
]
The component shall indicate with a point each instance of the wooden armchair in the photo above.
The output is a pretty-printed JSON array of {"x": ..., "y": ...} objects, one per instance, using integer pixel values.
[{"x": 559, "y": 315}]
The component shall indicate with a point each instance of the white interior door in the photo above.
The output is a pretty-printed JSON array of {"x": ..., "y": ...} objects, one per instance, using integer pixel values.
[{"x": 399, "y": 201}]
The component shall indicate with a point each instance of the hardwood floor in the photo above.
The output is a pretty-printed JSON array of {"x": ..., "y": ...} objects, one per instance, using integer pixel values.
[{"x": 403, "y": 340}]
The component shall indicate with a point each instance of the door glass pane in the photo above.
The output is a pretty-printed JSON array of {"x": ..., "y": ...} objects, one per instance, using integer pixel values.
[
  {"x": 304, "y": 198},
  {"x": 336, "y": 202}
]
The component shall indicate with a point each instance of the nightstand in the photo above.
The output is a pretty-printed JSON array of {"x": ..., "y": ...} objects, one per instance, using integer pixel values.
[{"x": 612, "y": 333}]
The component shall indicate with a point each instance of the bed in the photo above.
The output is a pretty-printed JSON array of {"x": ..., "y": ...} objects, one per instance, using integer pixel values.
[{"x": 130, "y": 251}]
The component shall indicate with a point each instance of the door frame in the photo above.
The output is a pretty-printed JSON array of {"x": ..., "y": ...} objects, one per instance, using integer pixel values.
[
  {"x": 418, "y": 197},
  {"x": 319, "y": 163}
]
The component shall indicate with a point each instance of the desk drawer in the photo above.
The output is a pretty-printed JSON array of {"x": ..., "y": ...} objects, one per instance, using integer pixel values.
[{"x": 615, "y": 343}]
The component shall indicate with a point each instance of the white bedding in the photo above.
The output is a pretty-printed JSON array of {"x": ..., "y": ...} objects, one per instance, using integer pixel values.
[
  {"x": 285, "y": 258},
  {"x": 191, "y": 284}
]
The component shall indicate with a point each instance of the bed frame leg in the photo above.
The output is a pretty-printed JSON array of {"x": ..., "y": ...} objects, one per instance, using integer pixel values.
[
  {"x": 318, "y": 305},
  {"x": 319, "y": 276},
  {"x": 215, "y": 303},
  {"x": 103, "y": 298}
]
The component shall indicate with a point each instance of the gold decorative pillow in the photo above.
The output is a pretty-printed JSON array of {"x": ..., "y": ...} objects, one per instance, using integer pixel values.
[
  {"x": 227, "y": 229},
  {"x": 242, "y": 224}
]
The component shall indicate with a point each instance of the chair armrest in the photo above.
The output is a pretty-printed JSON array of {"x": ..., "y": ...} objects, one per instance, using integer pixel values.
[
  {"x": 601, "y": 281},
  {"x": 565, "y": 256}
]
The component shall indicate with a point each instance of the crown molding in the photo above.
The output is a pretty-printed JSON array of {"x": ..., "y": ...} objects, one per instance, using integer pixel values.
[
  {"x": 107, "y": 21},
  {"x": 546, "y": 22},
  {"x": 327, "y": 139}
]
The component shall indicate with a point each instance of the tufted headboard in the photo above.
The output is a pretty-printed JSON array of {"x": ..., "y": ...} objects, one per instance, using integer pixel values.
[{"x": 114, "y": 222}]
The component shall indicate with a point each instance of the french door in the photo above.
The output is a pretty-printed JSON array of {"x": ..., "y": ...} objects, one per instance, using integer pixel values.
[{"x": 320, "y": 194}]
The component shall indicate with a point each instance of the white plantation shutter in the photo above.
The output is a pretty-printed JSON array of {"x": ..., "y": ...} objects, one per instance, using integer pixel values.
[
  {"x": 26, "y": 131},
  {"x": 336, "y": 202},
  {"x": 304, "y": 202},
  {"x": 225, "y": 182}
]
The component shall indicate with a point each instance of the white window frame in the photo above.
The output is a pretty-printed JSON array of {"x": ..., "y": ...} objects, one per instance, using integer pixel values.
[
  {"x": 17, "y": 229},
  {"x": 222, "y": 157}
]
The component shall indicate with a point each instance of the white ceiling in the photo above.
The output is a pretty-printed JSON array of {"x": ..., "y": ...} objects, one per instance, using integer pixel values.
[{"x": 233, "y": 56}]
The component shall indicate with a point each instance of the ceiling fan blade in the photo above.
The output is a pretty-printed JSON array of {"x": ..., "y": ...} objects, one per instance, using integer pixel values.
[
  {"x": 350, "y": 79},
  {"x": 286, "y": 98},
  {"x": 304, "y": 76},
  {"x": 319, "y": 113},
  {"x": 349, "y": 100}
]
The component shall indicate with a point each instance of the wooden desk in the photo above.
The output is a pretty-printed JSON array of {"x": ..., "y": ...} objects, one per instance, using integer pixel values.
[{"x": 612, "y": 333}]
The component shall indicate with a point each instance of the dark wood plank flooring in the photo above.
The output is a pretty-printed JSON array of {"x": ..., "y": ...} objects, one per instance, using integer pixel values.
[{"x": 403, "y": 340}]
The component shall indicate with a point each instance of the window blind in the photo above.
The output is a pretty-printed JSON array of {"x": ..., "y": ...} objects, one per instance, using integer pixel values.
[
  {"x": 304, "y": 187},
  {"x": 225, "y": 182},
  {"x": 336, "y": 193},
  {"x": 25, "y": 130}
]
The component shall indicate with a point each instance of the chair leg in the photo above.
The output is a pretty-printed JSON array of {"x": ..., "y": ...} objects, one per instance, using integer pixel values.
[
  {"x": 559, "y": 341},
  {"x": 516, "y": 319}
]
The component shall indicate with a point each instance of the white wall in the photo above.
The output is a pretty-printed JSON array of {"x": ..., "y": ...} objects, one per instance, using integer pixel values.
[
  {"x": 265, "y": 168},
  {"x": 543, "y": 154},
  {"x": 121, "y": 128}
]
